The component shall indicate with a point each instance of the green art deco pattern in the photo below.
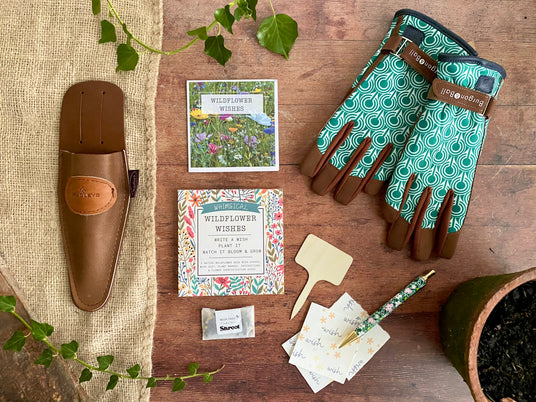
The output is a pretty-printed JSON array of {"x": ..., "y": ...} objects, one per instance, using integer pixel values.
[
  {"x": 386, "y": 104},
  {"x": 443, "y": 149}
]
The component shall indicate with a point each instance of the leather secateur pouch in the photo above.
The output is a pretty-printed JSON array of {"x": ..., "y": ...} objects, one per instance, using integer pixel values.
[{"x": 93, "y": 189}]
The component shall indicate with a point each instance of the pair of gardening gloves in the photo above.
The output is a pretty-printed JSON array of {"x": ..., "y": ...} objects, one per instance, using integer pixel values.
[{"x": 416, "y": 117}]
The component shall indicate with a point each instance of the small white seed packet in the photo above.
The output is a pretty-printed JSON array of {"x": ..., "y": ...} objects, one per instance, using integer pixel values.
[{"x": 228, "y": 324}]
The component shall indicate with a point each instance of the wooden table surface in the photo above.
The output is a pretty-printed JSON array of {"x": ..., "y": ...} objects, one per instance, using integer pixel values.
[{"x": 336, "y": 38}]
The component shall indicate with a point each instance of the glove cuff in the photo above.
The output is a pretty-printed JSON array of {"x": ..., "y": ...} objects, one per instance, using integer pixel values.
[
  {"x": 473, "y": 63},
  {"x": 417, "y": 39},
  {"x": 468, "y": 82},
  {"x": 440, "y": 28}
]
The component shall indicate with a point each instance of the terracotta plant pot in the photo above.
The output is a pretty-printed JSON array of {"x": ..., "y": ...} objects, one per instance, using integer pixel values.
[{"x": 463, "y": 317}]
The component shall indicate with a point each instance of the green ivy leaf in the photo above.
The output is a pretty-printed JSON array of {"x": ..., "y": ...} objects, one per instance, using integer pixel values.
[
  {"x": 45, "y": 359},
  {"x": 112, "y": 383},
  {"x": 127, "y": 58},
  {"x": 151, "y": 383},
  {"x": 16, "y": 342},
  {"x": 134, "y": 371},
  {"x": 7, "y": 303},
  {"x": 252, "y": 4},
  {"x": 278, "y": 34},
  {"x": 96, "y": 6},
  {"x": 224, "y": 17},
  {"x": 178, "y": 384},
  {"x": 68, "y": 350},
  {"x": 207, "y": 377},
  {"x": 41, "y": 331},
  {"x": 86, "y": 375},
  {"x": 245, "y": 9},
  {"x": 105, "y": 361},
  {"x": 107, "y": 32},
  {"x": 200, "y": 32},
  {"x": 192, "y": 368},
  {"x": 215, "y": 48},
  {"x": 241, "y": 10}
]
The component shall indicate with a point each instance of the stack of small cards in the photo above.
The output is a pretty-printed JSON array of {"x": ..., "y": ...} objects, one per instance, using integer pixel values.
[{"x": 315, "y": 350}]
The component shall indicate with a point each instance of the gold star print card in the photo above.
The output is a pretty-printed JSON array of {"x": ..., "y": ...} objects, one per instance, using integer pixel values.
[{"x": 314, "y": 351}]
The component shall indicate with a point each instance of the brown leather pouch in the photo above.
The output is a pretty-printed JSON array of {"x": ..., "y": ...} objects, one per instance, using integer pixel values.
[{"x": 93, "y": 188}]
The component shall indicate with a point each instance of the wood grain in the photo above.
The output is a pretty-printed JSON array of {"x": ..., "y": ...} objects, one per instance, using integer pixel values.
[
  {"x": 336, "y": 39},
  {"x": 21, "y": 379}
]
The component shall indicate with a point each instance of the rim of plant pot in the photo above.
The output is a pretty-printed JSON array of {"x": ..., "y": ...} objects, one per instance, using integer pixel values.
[{"x": 514, "y": 281}]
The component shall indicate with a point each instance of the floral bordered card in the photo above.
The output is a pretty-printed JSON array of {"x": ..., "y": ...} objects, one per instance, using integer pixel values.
[
  {"x": 232, "y": 126},
  {"x": 230, "y": 242}
]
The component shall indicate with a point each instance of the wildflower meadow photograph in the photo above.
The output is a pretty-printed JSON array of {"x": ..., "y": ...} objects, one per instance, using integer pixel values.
[{"x": 232, "y": 125}]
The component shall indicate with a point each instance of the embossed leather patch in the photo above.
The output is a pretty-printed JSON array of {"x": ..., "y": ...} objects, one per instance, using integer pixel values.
[{"x": 87, "y": 195}]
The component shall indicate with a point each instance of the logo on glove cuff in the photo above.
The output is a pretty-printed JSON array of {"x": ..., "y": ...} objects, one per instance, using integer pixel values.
[
  {"x": 422, "y": 61},
  {"x": 457, "y": 95}
]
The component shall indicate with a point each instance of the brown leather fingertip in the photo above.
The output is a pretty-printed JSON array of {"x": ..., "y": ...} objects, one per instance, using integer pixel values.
[
  {"x": 401, "y": 231},
  {"x": 423, "y": 244},
  {"x": 374, "y": 186},
  {"x": 311, "y": 162},
  {"x": 449, "y": 247},
  {"x": 351, "y": 187},
  {"x": 315, "y": 160},
  {"x": 326, "y": 179},
  {"x": 397, "y": 237},
  {"x": 443, "y": 220},
  {"x": 349, "y": 190},
  {"x": 418, "y": 214},
  {"x": 373, "y": 189},
  {"x": 389, "y": 213}
]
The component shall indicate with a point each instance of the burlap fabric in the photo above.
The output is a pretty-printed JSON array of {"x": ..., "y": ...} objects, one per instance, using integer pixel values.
[{"x": 47, "y": 46}]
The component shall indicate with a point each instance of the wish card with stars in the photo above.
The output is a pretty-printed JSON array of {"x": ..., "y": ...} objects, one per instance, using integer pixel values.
[
  {"x": 317, "y": 347},
  {"x": 367, "y": 346},
  {"x": 232, "y": 126}
]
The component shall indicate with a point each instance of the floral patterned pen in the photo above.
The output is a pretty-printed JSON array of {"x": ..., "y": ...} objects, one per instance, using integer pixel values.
[{"x": 387, "y": 308}]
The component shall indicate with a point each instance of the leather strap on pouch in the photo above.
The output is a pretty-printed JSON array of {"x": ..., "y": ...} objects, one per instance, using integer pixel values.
[
  {"x": 404, "y": 48},
  {"x": 465, "y": 98}
]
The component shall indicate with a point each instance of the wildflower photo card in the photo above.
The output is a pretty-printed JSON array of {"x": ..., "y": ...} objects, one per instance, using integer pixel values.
[
  {"x": 230, "y": 242},
  {"x": 232, "y": 126}
]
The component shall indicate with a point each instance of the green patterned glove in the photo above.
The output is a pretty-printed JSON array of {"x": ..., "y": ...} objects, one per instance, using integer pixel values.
[
  {"x": 360, "y": 144},
  {"x": 429, "y": 192}
]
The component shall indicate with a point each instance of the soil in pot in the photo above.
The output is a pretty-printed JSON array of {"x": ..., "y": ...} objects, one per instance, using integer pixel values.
[{"x": 507, "y": 349}]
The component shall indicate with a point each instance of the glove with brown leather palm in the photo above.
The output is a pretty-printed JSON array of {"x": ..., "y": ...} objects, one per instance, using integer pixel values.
[
  {"x": 360, "y": 144},
  {"x": 428, "y": 194}
]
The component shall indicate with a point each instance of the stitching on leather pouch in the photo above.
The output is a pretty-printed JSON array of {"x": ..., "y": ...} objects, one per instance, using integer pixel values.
[{"x": 120, "y": 231}]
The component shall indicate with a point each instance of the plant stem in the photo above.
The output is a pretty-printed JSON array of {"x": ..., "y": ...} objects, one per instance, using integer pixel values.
[
  {"x": 22, "y": 320},
  {"x": 93, "y": 368},
  {"x": 152, "y": 49},
  {"x": 272, "y": 6}
]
